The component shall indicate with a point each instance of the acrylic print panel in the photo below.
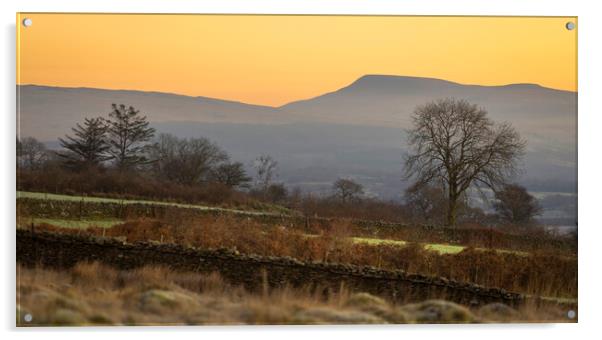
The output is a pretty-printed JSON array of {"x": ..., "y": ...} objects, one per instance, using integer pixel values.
[{"x": 282, "y": 169}]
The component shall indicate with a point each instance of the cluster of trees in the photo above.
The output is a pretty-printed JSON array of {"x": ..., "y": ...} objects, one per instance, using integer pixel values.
[
  {"x": 194, "y": 160},
  {"x": 31, "y": 154},
  {"x": 454, "y": 146},
  {"x": 125, "y": 142},
  {"x": 121, "y": 139},
  {"x": 512, "y": 205}
]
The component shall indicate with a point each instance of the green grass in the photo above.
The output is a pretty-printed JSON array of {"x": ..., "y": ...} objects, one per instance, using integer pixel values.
[
  {"x": 72, "y": 224},
  {"x": 56, "y": 197}
]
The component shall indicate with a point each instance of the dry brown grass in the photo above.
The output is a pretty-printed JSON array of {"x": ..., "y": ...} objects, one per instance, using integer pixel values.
[
  {"x": 127, "y": 185},
  {"x": 95, "y": 294},
  {"x": 537, "y": 274}
]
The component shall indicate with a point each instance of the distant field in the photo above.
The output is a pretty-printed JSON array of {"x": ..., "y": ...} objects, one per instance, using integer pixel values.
[
  {"x": 107, "y": 223},
  {"x": 55, "y": 197},
  {"x": 72, "y": 224}
]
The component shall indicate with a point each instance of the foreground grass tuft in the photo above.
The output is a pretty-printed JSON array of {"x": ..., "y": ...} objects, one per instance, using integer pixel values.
[{"x": 95, "y": 294}]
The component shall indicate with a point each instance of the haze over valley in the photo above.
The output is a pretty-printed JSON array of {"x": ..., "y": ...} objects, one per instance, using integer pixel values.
[{"x": 356, "y": 131}]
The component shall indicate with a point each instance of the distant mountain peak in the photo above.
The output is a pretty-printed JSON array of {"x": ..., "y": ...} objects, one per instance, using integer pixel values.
[
  {"x": 369, "y": 77},
  {"x": 524, "y": 85},
  {"x": 400, "y": 81}
]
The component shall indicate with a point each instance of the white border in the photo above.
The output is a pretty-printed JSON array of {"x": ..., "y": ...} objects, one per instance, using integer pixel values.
[{"x": 590, "y": 144}]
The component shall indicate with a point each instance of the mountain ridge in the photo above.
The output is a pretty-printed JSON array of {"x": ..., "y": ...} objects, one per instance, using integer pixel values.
[
  {"x": 371, "y": 100},
  {"x": 355, "y": 82}
]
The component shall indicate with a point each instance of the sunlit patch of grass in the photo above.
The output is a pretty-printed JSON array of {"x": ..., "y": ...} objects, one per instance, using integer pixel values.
[
  {"x": 440, "y": 248},
  {"x": 378, "y": 241},
  {"x": 445, "y": 248}
]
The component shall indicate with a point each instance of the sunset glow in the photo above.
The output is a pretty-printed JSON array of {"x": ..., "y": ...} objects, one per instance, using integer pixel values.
[{"x": 273, "y": 60}]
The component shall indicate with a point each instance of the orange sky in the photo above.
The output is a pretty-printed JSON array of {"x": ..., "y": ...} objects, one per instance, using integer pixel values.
[{"x": 273, "y": 60}]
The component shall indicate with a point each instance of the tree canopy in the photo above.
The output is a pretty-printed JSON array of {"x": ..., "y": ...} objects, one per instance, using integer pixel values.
[
  {"x": 347, "y": 190},
  {"x": 127, "y": 135},
  {"x": 454, "y": 142}
]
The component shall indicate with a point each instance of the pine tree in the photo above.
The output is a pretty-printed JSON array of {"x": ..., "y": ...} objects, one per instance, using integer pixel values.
[
  {"x": 88, "y": 148},
  {"x": 128, "y": 132}
]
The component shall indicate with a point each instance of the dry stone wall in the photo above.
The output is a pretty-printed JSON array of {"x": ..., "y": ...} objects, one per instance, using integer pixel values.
[{"x": 63, "y": 251}]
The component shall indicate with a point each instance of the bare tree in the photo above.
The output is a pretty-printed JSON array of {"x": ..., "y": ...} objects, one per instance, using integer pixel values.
[
  {"x": 426, "y": 203},
  {"x": 347, "y": 189},
  {"x": 295, "y": 198},
  {"x": 516, "y": 206},
  {"x": 31, "y": 154},
  {"x": 454, "y": 142},
  {"x": 185, "y": 160},
  {"x": 276, "y": 193},
  {"x": 265, "y": 166},
  {"x": 231, "y": 174}
]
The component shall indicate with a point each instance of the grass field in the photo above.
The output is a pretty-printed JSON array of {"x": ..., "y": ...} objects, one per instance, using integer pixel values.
[
  {"x": 334, "y": 242},
  {"x": 107, "y": 223},
  {"x": 110, "y": 222},
  {"x": 56, "y": 197}
]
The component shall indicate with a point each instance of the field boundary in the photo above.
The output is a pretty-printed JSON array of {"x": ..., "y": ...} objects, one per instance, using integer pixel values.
[
  {"x": 35, "y": 205},
  {"x": 63, "y": 251}
]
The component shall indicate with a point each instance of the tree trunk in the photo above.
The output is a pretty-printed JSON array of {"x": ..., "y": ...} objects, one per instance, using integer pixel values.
[{"x": 451, "y": 209}]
